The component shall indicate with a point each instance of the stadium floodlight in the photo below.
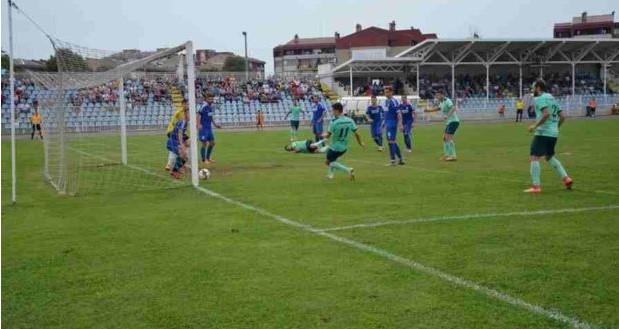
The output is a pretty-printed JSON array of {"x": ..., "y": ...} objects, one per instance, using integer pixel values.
[{"x": 96, "y": 96}]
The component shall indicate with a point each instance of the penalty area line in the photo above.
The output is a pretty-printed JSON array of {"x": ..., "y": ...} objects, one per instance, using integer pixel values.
[
  {"x": 471, "y": 216},
  {"x": 452, "y": 279}
]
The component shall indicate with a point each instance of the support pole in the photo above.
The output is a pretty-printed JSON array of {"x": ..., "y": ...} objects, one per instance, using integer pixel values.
[
  {"x": 351, "y": 86},
  {"x": 12, "y": 106},
  {"x": 573, "y": 79},
  {"x": 193, "y": 128},
  {"x": 123, "y": 120},
  {"x": 246, "y": 58},
  {"x": 604, "y": 65},
  {"x": 487, "y": 83},
  {"x": 418, "y": 86},
  {"x": 520, "y": 80},
  {"x": 453, "y": 81}
]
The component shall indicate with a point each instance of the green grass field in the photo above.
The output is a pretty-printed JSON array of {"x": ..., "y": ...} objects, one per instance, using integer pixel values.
[{"x": 463, "y": 247}]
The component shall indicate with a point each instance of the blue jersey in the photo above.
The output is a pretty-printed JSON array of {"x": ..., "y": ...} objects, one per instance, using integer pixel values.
[
  {"x": 407, "y": 111},
  {"x": 318, "y": 113},
  {"x": 375, "y": 113},
  {"x": 179, "y": 127},
  {"x": 206, "y": 117},
  {"x": 392, "y": 108}
]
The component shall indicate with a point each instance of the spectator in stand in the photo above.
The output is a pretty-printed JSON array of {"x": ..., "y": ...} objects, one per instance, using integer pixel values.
[
  {"x": 502, "y": 111},
  {"x": 593, "y": 104},
  {"x": 259, "y": 120},
  {"x": 519, "y": 109},
  {"x": 615, "y": 109}
]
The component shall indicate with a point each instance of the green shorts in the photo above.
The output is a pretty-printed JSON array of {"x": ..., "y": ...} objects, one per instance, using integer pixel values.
[
  {"x": 452, "y": 127},
  {"x": 543, "y": 146}
]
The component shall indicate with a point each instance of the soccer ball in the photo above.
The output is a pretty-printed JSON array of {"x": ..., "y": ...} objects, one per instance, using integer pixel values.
[{"x": 204, "y": 174}]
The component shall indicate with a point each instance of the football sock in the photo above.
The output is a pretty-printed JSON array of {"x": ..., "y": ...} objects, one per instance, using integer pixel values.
[
  {"x": 338, "y": 166},
  {"x": 171, "y": 159},
  {"x": 445, "y": 148},
  {"x": 330, "y": 170},
  {"x": 396, "y": 148},
  {"x": 392, "y": 151},
  {"x": 407, "y": 141},
  {"x": 179, "y": 164},
  {"x": 558, "y": 168},
  {"x": 535, "y": 173},
  {"x": 452, "y": 148},
  {"x": 318, "y": 144},
  {"x": 209, "y": 150},
  {"x": 203, "y": 152}
]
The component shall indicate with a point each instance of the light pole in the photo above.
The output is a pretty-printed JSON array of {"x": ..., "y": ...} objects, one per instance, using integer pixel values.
[{"x": 246, "y": 59}]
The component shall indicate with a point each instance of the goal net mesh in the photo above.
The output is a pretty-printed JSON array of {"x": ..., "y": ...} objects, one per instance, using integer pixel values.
[{"x": 105, "y": 116}]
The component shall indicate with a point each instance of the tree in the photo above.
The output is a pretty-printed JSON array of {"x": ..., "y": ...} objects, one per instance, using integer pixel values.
[
  {"x": 72, "y": 62},
  {"x": 6, "y": 61},
  {"x": 234, "y": 64},
  {"x": 51, "y": 65}
]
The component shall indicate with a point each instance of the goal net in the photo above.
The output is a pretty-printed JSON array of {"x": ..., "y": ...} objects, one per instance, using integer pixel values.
[{"x": 105, "y": 117}]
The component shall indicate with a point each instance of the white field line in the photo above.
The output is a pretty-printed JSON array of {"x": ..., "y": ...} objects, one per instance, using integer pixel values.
[
  {"x": 471, "y": 216},
  {"x": 455, "y": 280},
  {"x": 447, "y": 172}
]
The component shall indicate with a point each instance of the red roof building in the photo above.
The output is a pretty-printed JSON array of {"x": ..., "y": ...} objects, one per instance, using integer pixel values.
[
  {"x": 305, "y": 54},
  {"x": 585, "y": 26}
]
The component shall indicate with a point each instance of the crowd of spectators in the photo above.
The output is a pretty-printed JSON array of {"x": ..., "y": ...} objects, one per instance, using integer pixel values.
[
  {"x": 158, "y": 90},
  {"x": 270, "y": 90},
  {"x": 502, "y": 86}
]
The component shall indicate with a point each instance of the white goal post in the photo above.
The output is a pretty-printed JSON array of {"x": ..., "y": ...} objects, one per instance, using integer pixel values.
[{"x": 78, "y": 143}]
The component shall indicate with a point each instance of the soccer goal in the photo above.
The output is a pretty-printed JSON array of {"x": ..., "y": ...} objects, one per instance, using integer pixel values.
[{"x": 105, "y": 117}]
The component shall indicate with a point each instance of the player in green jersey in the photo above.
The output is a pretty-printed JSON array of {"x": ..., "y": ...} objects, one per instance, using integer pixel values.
[
  {"x": 452, "y": 122},
  {"x": 306, "y": 146},
  {"x": 549, "y": 119},
  {"x": 339, "y": 131},
  {"x": 295, "y": 117}
]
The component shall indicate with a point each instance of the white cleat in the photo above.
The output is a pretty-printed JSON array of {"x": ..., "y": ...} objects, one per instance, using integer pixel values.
[{"x": 351, "y": 174}]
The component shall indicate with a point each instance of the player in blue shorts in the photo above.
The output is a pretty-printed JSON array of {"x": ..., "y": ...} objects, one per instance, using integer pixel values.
[
  {"x": 205, "y": 127},
  {"x": 176, "y": 144},
  {"x": 408, "y": 117},
  {"x": 374, "y": 114},
  {"x": 317, "y": 118},
  {"x": 393, "y": 119}
]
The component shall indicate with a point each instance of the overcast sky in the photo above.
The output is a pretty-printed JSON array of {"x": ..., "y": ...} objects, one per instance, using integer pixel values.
[{"x": 146, "y": 25}]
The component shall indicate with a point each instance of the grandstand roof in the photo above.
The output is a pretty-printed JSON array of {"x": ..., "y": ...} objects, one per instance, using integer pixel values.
[
  {"x": 492, "y": 52},
  {"x": 299, "y": 43}
]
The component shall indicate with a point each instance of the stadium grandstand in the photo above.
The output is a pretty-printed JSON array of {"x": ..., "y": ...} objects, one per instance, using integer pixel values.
[
  {"x": 152, "y": 98},
  {"x": 482, "y": 74}
]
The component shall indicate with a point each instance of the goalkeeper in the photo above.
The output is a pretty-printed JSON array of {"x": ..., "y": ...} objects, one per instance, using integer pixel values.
[{"x": 306, "y": 146}]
